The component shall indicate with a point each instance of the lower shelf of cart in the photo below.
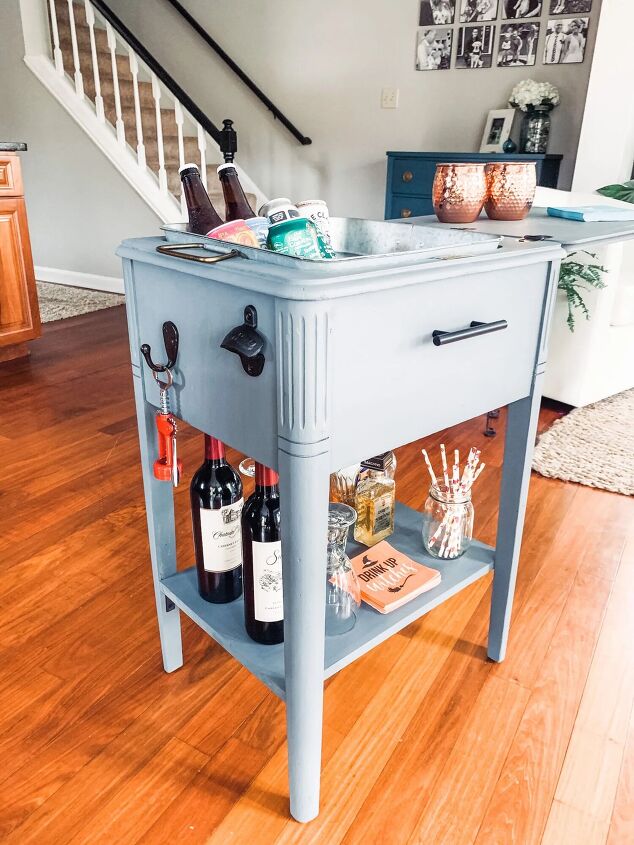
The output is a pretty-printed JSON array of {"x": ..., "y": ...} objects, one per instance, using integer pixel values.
[{"x": 225, "y": 622}]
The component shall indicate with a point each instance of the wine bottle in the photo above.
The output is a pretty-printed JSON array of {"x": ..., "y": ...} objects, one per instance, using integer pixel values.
[
  {"x": 236, "y": 203},
  {"x": 203, "y": 217},
  {"x": 262, "y": 551},
  {"x": 216, "y": 500}
]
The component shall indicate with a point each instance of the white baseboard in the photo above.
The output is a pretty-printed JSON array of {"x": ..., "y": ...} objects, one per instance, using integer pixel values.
[{"x": 110, "y": 284}]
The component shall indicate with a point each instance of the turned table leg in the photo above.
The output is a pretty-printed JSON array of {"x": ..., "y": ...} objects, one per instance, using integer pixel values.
[
  {"x": 159, "y": 506},
  {"x": 521, "y": 428},
  {"x": 304, "y": 513}
]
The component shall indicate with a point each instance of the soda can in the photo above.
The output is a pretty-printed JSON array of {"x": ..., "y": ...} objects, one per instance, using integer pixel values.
[
  {"x": 317, "y": 211},
  {"x": 235, "y": 232},
  {"x": 278, "y": 210},
  {"x": 298, "y": 237},
  {"x": 260, "y": 228}
]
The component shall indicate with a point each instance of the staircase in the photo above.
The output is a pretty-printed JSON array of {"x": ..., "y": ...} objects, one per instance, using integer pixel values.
[{"x": 131, "y": 114}]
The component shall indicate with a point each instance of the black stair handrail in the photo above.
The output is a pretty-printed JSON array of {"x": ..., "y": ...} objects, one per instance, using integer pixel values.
[
  {"x": 240, "y": 73},
  {"x": 225, "y": 138}
]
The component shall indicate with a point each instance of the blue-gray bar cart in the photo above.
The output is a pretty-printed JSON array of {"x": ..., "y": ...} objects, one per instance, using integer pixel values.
[{"x": 349, "y": 370}]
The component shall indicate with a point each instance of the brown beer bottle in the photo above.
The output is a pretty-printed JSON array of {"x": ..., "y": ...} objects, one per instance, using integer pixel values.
[
  {"x": 203, "y": 217},
  {"x": 236, "y": 203}
]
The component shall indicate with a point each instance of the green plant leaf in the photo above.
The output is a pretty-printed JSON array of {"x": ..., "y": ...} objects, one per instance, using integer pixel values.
[{"x": 623, "y": 191}]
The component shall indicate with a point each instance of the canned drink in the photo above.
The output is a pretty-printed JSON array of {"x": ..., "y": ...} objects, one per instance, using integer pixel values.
[
  {"x": 260, "y": 228},
  {"x": 317, "y": 211},
  {"x": 297, "y": 237},
  {"x": 235, "y": 232},
  {"x": 278, "y": 210}
]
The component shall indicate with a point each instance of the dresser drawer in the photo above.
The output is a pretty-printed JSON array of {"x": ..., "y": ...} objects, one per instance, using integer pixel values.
[
  {"x": 409, "y": 206},
  {"x": 412, "y": 176},
  {"x": 392, "y": 379},
  {"x": 10, "y": 176}
]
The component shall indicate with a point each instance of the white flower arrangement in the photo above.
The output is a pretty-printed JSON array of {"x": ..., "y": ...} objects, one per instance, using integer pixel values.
[{"x": 528, "y": 94}]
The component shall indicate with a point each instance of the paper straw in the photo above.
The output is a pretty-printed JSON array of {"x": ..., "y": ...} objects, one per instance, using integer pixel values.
[
  {"x": 429, "y": 467},
  {"x": 443, "y": 457},
  {"x": 477, "y": 473}
]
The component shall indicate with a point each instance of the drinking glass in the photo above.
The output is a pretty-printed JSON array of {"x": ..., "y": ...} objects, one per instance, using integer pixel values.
[{"x": 343, "y": 591}]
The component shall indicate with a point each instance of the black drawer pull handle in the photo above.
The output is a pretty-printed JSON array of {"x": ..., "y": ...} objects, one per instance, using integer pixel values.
[{"x": 441, "y": 338}]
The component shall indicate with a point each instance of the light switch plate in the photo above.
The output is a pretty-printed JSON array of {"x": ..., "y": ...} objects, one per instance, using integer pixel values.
[{"x": 389, "y": 98}]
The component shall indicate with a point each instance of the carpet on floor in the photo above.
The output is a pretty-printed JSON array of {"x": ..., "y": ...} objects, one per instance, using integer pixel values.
[
  {"x": 57, "y": 302},
  {"x": 592, "y": 446}
]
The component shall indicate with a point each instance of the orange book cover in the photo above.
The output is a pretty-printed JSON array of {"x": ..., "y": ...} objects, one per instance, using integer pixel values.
[{"x": 389, "y": 579}]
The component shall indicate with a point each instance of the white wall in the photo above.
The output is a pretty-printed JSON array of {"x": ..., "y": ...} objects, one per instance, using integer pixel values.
[
  {"x": 324, "y": 65},
  {"x": 79, "y": 207},
  {"x": 606, "y": 146}
]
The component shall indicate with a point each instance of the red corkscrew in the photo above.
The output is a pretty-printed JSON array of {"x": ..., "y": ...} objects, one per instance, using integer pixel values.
[{"x": 168, "y": 466}]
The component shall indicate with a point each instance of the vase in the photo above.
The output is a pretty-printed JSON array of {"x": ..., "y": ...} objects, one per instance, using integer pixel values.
[
  {"x": 458, "y": 192},
  {"x": 535, "y": 130},
  {"x": 511, "y": 189}
]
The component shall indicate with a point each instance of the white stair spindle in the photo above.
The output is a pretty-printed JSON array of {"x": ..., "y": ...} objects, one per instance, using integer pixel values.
[
  {"x": 162, "y": 173},
  {"x": 179, "y": 118},
  {"x": 134, "y": 69},
  {"x": 90, "y": 20},
  {"x": 57, "y": 53},
  {"x": 112, "y": 45},
  {"x": 79, "y": 82},
  {"x": 202, "y": 146}
]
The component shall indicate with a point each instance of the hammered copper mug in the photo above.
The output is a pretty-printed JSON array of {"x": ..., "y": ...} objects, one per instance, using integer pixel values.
[
  {"x": 459, "y": 192},
  {"x": 510, "y": 189}
]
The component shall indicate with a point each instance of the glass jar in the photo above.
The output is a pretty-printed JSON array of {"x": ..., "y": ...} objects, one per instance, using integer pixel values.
[
  {"x": 535, "y": 130},
  {"x": 447, "y": 522},
  {"x": 343, "y": 591}
]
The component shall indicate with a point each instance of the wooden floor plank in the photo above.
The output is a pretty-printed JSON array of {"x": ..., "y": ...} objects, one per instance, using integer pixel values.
[{"x": 424, "y": 740}]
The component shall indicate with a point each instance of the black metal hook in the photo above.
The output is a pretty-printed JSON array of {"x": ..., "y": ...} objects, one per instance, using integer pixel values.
[{"x": 170, "y": 339}]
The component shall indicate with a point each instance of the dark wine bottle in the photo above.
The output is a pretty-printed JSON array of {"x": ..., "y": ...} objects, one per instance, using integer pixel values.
[
  {"x": 216, "y": 499},
  {"x": 236, "y": 203},
  {"x": 203, "y": 217},
  {"x": 262, "y": 551}
]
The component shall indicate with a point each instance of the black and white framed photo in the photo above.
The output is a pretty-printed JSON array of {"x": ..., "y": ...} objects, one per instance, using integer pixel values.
[
  {"x": 475, "y": 46},
  {"x": 433, "y": 48},
  {"x": 518, "y": 44},
  {"x": 437, "y": 12},
  {"x": 497, "y": 130},
  {"x": 570, "y": 7},
  {"x": 565, "y": 42},
  {"x": 518, "y": 9},
  {"x": 474, "y": 11}
]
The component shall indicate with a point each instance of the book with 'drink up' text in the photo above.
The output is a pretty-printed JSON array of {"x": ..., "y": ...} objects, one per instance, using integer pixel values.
[{"x": 389, "y": 579}]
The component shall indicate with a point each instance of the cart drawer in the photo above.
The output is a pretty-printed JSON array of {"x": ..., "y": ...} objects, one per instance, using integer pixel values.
[{"x": 398, "y": 385}]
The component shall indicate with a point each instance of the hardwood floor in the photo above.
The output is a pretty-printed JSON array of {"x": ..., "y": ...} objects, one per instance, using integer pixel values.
[{"x": 425, "y": 740}]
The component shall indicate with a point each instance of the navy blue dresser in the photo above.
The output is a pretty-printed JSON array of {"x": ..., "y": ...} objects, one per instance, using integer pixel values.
[{"x": 410, "y": 177}]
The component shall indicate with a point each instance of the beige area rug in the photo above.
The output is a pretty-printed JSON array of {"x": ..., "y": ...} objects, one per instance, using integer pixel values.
[
  {"x": 592, "y": 445},
  {"x": 57, "y": 302}
]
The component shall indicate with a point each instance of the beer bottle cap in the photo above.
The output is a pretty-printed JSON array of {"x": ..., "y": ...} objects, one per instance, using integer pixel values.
[
  {"x": 188, "y": 168},
  {"x": 225, "y": 167}
]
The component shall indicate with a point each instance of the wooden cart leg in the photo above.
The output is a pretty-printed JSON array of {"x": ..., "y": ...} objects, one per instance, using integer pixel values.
[
  {"x": 304, "y": 512},
  {"x": 521, "y": 428},
  {"x": 159, "y": 506}
]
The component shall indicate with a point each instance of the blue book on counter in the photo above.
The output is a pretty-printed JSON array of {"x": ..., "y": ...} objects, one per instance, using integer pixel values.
[{"x": 593, "y": 213}]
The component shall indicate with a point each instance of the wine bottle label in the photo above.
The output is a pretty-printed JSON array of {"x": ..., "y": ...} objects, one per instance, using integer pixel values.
[
  {"x": 267, "y": 582},
  {"x": 382, "y": 513},
  {"x": 222, "y": 537}
]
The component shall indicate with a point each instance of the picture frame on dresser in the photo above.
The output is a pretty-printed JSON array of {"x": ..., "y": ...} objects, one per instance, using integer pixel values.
[{"x": 497, "y": 130}]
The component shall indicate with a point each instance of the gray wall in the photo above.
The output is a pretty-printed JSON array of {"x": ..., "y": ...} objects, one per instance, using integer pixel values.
[
  {"x": 79, "y": 207},
  {"x": 324, "y": 65}
]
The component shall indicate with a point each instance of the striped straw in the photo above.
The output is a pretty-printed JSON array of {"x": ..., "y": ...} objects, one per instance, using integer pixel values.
[
  {"x": 443, "y": 457},
  {"x": 430, "y": 467}
]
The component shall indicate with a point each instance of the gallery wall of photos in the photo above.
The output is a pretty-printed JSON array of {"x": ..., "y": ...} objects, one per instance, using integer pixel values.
[{"x": 501, "y": 33}]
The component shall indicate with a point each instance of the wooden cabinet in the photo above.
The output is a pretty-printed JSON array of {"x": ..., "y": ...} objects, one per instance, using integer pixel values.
[{"x": 19, "y": 310}]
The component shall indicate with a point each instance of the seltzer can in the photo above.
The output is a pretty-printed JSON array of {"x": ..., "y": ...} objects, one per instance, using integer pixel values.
[
  {"x": 317, "y": 211},
  {"x": 278, "y": 210},
  {"x": 235, "y": 232},
  {"x": 298, "y": 237},
  {"x": 260, "y": 228}
]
